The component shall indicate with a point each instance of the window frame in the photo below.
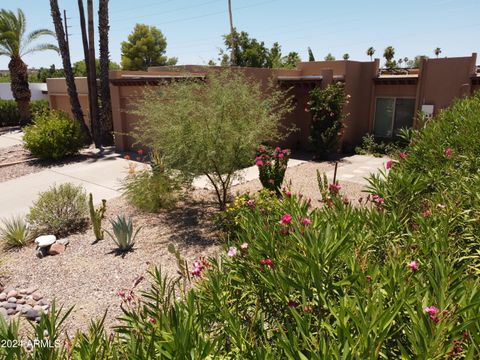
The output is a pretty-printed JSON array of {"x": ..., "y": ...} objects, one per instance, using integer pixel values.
[{"x": 392, "y": 121}]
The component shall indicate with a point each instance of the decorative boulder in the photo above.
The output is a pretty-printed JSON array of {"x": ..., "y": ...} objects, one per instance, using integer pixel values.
[
  {"x": 56, "y": 249},
  {"x": 45, "y": 240}
]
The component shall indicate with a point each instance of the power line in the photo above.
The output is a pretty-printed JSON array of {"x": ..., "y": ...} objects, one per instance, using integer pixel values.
[
  {"x": 203, "y": 15},
  {"x": 168, "y": 12}
]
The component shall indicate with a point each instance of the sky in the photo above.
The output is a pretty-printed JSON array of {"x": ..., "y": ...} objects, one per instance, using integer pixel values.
[{"x": 194, "y": 28}]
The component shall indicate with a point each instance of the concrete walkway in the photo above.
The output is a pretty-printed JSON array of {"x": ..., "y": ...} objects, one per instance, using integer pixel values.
[
  {"x": 357, "y": 168},
  {"x": 241, "y": 176},
  {"x": 11, "y": 139},
  {"x": 99, "y": 176}
]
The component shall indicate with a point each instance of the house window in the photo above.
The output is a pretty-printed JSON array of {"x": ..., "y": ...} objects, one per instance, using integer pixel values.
[{"x": 392, "y": 114}]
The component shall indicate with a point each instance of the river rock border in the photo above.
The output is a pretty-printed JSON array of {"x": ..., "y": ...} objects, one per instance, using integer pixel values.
[{"x": 22, "y": 302}]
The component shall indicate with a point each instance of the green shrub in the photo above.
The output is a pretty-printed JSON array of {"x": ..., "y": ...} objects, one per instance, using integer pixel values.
[
  {"x": 326, "y": 106},
  {"x": 15, "y": 232},
  {"x": 123, "y": 234},
  {"x": 9, "y": 115},
  {"x": 210, "y": 128},
  {"x": 376, "y": 147},
  {"x": 151, "y": 190},
  {"x": 60, "y": 211},
  {"x": 53, "y": 135}
]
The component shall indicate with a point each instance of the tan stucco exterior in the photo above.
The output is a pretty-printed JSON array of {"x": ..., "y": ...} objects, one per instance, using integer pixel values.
[{"x": 437, "y": 82}]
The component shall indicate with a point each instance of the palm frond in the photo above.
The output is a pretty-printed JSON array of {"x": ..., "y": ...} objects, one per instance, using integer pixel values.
[
  {"x": 40, "y": 47},
  {"x": 34, "y": 35}
]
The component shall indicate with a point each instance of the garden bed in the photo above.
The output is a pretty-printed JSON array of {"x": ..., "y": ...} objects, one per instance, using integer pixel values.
[{"x": 89, "y": 275}]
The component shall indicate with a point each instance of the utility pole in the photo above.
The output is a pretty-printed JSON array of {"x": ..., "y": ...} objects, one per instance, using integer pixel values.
[
  {"x": 66, "y": 27},
  {"x": 233, "y": 59}
]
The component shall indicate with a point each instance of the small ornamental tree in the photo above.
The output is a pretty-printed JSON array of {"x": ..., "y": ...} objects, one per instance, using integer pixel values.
[
  {"x": 210, "y": 127},
  {"x": 272, "y": 165},
  {"x": 326, "y": 106}
]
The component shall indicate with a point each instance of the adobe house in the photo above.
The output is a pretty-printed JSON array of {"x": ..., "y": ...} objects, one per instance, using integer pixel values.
[{"x": 380, "y": 102}]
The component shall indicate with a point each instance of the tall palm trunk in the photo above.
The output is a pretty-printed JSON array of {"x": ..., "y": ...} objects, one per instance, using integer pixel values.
[
  {"x": 67, "y": 68},
  {"x": 233, "y": 58},
  {"x": 92, "y": 78},
  {"x": 105, "y": 98},
  {"x": 20, "y": 90}
]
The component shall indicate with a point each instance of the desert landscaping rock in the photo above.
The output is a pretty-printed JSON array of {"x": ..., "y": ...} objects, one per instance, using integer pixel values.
[
  {"x": 32, "y": 314},
  {"x": 45, "y": 240},
  {"x": 3, "y": 296},
  {"x": 37, "y": 296},
  {"x": 63, "y": 242},
  {"x": 42, "y": 252},
  {"x": 33, "y": 305},
  {"x": 56, "y": 249}
]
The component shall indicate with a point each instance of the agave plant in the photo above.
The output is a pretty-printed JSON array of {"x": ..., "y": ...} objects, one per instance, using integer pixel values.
[
  {"x": 15, "y": 232},
  {"x": 123, "y": 234}
]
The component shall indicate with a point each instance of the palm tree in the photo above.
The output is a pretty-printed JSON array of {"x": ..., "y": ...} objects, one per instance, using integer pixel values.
[
  {"x": 370, "y": 52},
  {"x": 437, "y": 51},
  {"x": 15, "y": 43},
  {"x": 67, "y": 68},
  {"x": 388, "y": 54},
  {"x": 233, "y": 58},
  {"x": 346, "y": 56},
  {"x": 105, "y": 98}
]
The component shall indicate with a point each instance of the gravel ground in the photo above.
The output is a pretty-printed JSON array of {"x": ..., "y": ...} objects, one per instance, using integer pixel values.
[
  {"x": 303, "y": 180},
  {"x": 89, "y": 275}
]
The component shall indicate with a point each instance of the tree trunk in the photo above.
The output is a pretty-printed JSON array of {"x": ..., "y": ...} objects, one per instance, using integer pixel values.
[
  {"x": 233, "y": 59},
  {"x": 86, "y": 53},
  {"x": 20, "y": 90},
  {"x": 92, "y": 78},
  {"x": 105, "y": 98},
  {"x": 67, "y": 67}
]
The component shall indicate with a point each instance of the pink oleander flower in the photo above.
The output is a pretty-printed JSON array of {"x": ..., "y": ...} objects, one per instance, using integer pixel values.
[
  {"x": 388, "y": 164},
  {"x": 334, "y": 188},
  {"x": 284, "y": 231},
  {"x": 306, "y": 221},
  {"x": 266, "y": 262},
  {"x": 251, "y": 202},
  {"x": 261, "y": 148},
  {"x": 427, "y": 213},
  {"x": 271, "y": 181},
  {"x": 307, "y": 109},
  {"x": 232, "y": 251},
  {"x": 402, "y": 155},
  {"x": 431, "y": 310},
  {"x": 378, "y": 199},
  {"x": 244, "y": 247},
  {"x": 259, "y": 163},
  {"x": 152, "y": 321},
  {"x": 413, "y": 265},
  {"x": 286, "y": 152},
  {"x": 288, "y": 194},
  {"x": 448, "y": 152},
  {"x": 197, "y": 268},
  {"x": 281, "y": 156},
  {"x": 286, "y": 219}
]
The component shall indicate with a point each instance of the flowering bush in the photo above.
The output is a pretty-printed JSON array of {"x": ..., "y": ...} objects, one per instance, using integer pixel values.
[
  {"x": 336, "y": 282},
  {"x": 326, "y": 106},
  {"x": 272, "y": 165}
]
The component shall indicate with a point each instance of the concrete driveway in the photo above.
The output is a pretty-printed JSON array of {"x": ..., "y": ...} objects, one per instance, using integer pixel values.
[{"x": 100, "y": 176}]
